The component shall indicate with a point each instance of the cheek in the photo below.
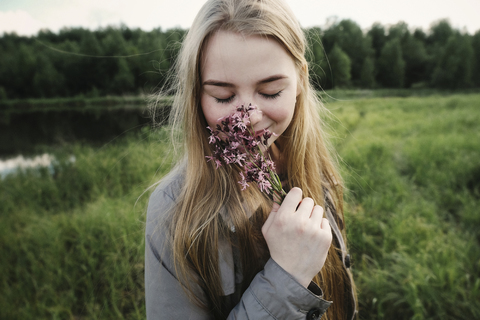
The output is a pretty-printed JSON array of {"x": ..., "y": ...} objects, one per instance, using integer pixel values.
[
  {"x": 284, "y": 115},
  {"x": 209, "y": 112}
]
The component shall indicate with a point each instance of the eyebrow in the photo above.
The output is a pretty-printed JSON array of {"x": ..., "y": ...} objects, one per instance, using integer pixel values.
[{"x": 227, "y": 84}]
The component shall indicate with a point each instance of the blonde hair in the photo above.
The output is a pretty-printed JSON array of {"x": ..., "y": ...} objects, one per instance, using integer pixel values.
[{"x": 197, "y": 224}]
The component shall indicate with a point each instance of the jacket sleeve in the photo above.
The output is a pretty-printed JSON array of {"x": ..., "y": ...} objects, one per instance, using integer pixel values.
[{"x": 273, "y": 293}]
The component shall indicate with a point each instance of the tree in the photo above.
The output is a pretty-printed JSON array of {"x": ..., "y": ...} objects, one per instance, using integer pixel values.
[
  {"x": 420, "y": 35},
  {"x": 47, "y": 81},
  {"x": 378, "y": 38},
  {"x": 316, "y": 58},
  {"x": 20, "y": 68},
  {"x": 436, "y": 41},
  {"x": 412, "y": 52},
  {"x": 454, "y": 68},
  {"x": 476, "y": 59},
  {"x": 341, "y": 66},
  {"x": 399, "y": 30},
  {"x": 416, "y": 61},
  {"x": 123, "y": 81},
  {"x": 69, "y": 65},
  {"x": 150, "y": 70},
  {"x": 3, "y": 94},
  {"x": 440, "y": 32},
  {"x": 367, "y": 76},
  {"x": 350, "y": 38},
  {"x": 91, "y": 75},
  {"x": 391, "y": 71}
]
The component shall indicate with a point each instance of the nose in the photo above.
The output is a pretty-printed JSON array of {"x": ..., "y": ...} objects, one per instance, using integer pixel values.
[{"x": 255, "y": 117}]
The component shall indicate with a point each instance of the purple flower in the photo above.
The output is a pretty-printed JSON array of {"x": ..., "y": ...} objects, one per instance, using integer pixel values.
[
  {"x": 235, "y": 142},
  {"x": 243, "y": 182}
]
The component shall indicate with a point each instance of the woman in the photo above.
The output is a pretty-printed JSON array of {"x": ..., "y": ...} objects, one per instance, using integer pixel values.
[{"x": 214, "y": 251}]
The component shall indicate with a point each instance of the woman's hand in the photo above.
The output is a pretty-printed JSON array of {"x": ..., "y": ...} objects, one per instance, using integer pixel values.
[{"x": 298, "y": 236}]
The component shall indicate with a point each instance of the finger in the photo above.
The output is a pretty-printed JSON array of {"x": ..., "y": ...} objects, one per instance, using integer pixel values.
[
  {"x": 291, "y": 201},
  {"x": 270, "y": 217},
  {"x": 306, "y": 207},
  {"x": 317, "y": 216},
  {"x": 326, "y": 225}
]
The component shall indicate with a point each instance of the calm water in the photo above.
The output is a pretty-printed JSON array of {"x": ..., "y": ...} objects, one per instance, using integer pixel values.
[{"x": 18, "y": 163}]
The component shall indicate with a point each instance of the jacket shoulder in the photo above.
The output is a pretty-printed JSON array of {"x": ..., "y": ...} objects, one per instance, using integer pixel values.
[{"x": 163, "y": 199}]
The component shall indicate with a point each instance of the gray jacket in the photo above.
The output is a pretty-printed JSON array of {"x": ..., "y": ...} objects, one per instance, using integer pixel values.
[{"x": 273, "y": 293}]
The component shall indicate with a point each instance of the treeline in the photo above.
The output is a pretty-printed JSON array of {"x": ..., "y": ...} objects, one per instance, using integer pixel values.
[
  {"x": 395, "y": 56},
  {"x": 118, "y": 61},
  {"x": 76, "y": 62}
]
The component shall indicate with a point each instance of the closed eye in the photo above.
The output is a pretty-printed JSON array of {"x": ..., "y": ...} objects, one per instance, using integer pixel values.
[
  {"x": 271, "y": 96},
  {"x": 227, "y": 100}
]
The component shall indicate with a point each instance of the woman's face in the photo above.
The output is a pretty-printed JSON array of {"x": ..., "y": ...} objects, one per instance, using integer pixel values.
[{"x": 240, "y": 70}]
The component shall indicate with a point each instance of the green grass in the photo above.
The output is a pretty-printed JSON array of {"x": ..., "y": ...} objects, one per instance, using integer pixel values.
[
  {"x": 335, "y": 95},
  {"x": 71, "y": 244},
  {"x": 84, "y": 263},
  {"x": 412, "y": 166}
]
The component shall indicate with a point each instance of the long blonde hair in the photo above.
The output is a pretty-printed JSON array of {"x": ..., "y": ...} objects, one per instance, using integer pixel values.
[{"x": 197, "y": 224}]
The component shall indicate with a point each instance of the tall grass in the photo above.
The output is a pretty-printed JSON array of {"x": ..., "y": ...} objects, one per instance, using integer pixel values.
[
  {"x": 71, "y": 243},
  {"x": 412, "y": 166}
]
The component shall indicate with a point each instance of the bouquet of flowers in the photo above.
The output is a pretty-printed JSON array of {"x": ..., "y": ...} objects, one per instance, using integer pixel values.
[{"x": 237, "y": 143}]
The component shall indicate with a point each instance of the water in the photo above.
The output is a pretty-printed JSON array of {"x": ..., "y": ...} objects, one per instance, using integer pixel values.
[{"x": 18, "y": 163}]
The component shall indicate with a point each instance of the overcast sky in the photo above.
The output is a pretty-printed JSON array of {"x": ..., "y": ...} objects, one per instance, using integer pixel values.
[{"x": 26, "y": 17}]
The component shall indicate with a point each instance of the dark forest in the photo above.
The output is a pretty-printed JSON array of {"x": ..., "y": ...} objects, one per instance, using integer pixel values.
[{"x": 77, "y": 62}]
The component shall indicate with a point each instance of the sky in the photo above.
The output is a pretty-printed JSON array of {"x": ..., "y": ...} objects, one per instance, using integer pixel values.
[{"x": 27, "y": 17}]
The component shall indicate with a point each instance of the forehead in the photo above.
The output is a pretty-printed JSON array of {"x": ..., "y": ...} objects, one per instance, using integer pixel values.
[{"x": 228, "y": 54}]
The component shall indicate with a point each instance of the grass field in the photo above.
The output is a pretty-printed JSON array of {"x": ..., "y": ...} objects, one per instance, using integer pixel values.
[
  {"x": 412, "y": 166},
  {"x": 71, "y": 244}
]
